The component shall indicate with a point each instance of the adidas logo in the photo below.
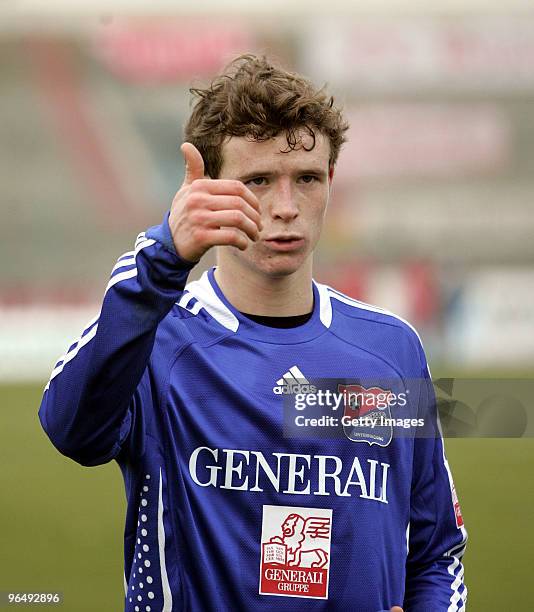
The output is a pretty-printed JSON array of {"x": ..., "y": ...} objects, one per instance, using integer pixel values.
[{"x": 293, "y": 381}]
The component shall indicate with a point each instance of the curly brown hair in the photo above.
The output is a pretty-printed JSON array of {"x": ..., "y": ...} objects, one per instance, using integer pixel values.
[{"x": 258, "y": 100}]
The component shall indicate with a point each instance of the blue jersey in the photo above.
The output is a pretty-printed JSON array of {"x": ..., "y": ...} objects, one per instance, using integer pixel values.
[{"x": 232, "y": 503}]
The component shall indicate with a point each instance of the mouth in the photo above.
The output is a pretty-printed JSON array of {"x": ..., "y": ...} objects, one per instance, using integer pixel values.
[{"x": 285, "y": 243}]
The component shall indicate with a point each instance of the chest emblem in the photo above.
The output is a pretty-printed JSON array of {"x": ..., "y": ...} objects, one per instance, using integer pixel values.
[{"x": 295, "y": 551}]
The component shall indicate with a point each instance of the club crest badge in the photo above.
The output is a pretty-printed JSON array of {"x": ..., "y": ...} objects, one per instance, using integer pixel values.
[
  {"x": 295, "y": 551},
  {"x": 369, "y": 414}
]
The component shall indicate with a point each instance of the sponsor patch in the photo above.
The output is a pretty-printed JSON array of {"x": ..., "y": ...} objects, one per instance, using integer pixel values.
[{"x": 295, "y": 551}]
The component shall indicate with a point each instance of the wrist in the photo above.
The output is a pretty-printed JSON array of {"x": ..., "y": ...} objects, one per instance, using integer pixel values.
[{"x": 162, "y": 234}]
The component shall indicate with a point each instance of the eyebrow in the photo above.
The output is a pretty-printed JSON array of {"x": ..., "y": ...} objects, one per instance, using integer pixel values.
[{"x": 268, "y": 173}]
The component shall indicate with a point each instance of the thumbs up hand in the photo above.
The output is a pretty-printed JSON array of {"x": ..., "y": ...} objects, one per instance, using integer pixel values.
[{"x": 207, "y": 212}]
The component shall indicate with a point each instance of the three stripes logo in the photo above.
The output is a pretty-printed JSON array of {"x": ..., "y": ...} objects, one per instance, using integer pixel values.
[{"x": 293, "y": 381}]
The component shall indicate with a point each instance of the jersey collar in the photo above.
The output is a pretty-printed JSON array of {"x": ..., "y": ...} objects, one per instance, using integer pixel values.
[{"x": 207, "y": 291}]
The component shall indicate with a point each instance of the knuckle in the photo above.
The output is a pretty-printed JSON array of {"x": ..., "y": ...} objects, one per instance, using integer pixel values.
[
  {"x": 238, "y": 203},
  {"x": 233, "y": 235},
  {"x": 241, "y": 241},
  {"x": 196, "y": 185},
  {"x": 190, "y": 202},
  {"x": 195, "y": 218},
  {"x": 198, "y": 234},
  {"x": 238, "y": 218},
  {"x": 196, "y": 200},
  {"x": 238, "y": 186}
]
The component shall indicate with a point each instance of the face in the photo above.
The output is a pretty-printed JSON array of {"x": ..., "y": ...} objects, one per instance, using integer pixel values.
[{"x": 293, "y": 189}]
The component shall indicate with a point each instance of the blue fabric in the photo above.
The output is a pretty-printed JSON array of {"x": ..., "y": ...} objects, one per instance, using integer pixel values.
[{"x": 186, "y": 404}]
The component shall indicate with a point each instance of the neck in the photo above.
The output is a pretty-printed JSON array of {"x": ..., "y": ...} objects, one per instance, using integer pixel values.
[{"x": 259, "y": 294}]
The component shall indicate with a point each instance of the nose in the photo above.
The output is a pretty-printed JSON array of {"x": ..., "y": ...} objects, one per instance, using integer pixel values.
[{"x": 284, "y": 205}]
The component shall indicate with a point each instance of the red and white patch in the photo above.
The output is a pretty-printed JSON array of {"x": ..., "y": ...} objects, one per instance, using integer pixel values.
[
  {"x": 295, "y": 551},
  {"x": 457, "y": 510}
]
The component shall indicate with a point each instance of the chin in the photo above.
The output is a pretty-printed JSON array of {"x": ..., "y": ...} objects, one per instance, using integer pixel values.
[
  {"x": 271, "y": 265},
  {"x": 276, "y": 267}
]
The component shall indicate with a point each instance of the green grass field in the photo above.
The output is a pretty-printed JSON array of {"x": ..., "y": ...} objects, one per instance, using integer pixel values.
[{"x": 62, "y": 524}]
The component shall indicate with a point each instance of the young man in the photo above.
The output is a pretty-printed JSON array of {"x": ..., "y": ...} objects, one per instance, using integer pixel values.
[{"x": 190, "y": 388}]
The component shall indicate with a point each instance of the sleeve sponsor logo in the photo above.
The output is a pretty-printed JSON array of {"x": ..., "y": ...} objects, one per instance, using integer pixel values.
[{"x": 457, "y": 509}]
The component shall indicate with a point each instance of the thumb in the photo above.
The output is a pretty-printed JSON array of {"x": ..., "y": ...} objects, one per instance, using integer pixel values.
[
  {"x": 194, "y": 164},
  {"x": 396, "y": 609}
]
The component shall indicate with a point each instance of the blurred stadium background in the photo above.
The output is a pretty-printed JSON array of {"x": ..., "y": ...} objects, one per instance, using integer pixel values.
[{"x": 432, "y": 217}]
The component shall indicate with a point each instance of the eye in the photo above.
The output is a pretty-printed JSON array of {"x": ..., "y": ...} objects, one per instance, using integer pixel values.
[
  {"x": 257, "y": 180},
  {"x": 308, "y": 178}
]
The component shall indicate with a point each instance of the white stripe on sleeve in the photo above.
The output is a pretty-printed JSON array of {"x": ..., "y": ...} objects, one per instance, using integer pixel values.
[{"x": 83, "y": 340}]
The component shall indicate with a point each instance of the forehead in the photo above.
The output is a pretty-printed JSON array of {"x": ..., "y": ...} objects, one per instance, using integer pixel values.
[{"x": 241, "y": 154}]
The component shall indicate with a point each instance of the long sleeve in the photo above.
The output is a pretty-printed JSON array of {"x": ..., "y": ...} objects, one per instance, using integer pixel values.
[
  {"x": 89, "y": 403},
  {"x": 437, "y": 536}
]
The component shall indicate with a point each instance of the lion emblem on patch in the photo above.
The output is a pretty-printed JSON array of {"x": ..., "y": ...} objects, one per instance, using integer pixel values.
[{"x": 299, "y": 535}]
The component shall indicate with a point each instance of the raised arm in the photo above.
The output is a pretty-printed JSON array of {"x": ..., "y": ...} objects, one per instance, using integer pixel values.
[{"x": 90, "y": 401}]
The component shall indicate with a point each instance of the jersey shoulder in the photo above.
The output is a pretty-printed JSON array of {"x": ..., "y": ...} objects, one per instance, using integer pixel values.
[
  {"x": 377, "y": 328},
  {"x": 191, "y": 318}
]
